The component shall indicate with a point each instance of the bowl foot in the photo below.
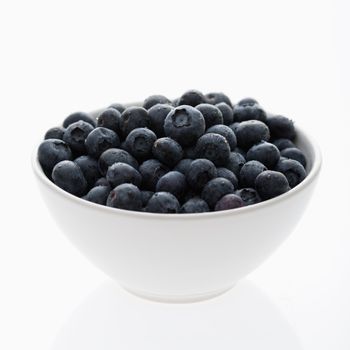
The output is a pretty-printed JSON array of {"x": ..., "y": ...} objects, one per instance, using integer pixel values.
[{"x": 177, "y": 299}]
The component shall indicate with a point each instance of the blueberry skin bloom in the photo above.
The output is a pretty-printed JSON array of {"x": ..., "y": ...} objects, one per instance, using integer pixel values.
[
  {"x": 248, "y": 195},
  {"x": 79, "y": 116},
  {"x": 229, "y": 175},
  {"x": 51, "y": 152},
  {"x": 151, "y": 171},
  {"x": 115, "y": 155},
  {"x": 55, "y": 133},
  {"x": 98, "y": 195},
  {"x": 68, "y": 176},
  {"x": 251, "y": 132},
  {"x": 215, "y": 189},
  {"x": 296, "y": 154},
  {"x": 139, "y": 143},
  {"x": 120, "y": 173},
  {"x": 75, "y": 136},
  {"x": 110, "y": 119},
  {"x": 226, "y": 132},
  {"x": 118, "y": 106},
  {"x": 248, "y": 111},
  {"x": 265, "y": 153},
  {"x": 200, "y": 172},
  {"x": 270, "y": 184},
  {"x": 226, "y": 111},
  {"x": 125, "y": 196},
  {"x": 132, "y": 118},
  {"x": 183, "y": 165},
  {"x": 235, "y": 162},
  {"x": 213, "y": 147},
  {"x": 218, "y": 97},
  {"x": 185, "y": 124},
  {"x": 282, "y": 144},
  {"x": 212, "y": 115},
  {"x": 249, "y": 172},
  {"x": 157, "y": 115},
  {"x": 163, "y": 202},
  {"x": 145, "y": 197},
  {"x": 194, "y": 205},
  {"x": 281, "y": 127},
  {"x": 229, "y": 201},
  {"x": 167, "y": 151},
  {"x": 173, "y": 182},
  {"x": 292, "y": 170},
  {"x": 89, "y": 167},
  {"x": 191, "y": 98},
  {"x": 154, "y": 100},
  {"x": 102, "y": 181},
  {"x": 99, "y": 140}
]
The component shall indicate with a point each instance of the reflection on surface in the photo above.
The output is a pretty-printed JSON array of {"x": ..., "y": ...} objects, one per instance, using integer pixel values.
[{"x": 110, "y": 318}]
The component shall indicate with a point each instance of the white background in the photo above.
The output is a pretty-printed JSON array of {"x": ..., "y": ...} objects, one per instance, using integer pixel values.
[{"x": 63, "y": 56}]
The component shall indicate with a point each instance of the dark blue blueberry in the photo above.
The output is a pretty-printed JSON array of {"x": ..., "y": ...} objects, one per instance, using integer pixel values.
[
  {"x": 151, "y": 171},
  {"x": 194, "y": 205},
  {"x": 184, "y": 124},
  {"x": 213, "y": 147},
  {"x": 173, "y": 182},
  {"x": 226, "y": 111},
  {"x": 132, "y": 118},
  {"x": 110, "y": 118},
  {"x": 282, "y": 144},
  {"x": 235, "y": 162},
  {"x": 248, "y": 101},
  {"x": 249, "y": 172},
  {"x": 190, "y": 152},
  {"x": 98, "y": 194},
  {"x": 191, "y": 98},
  {"x": 229, "y": 201},
  {"x": 270, "y": 184},
  {"x": 157, "y": 115},
  {"x": 77, "y": 116},
  {"x": 183, "y": 165},
  {"x": 119, "y": 173},
  {"x": 234, "y": 126},
  {"x": 226, "y": 132},
  {"x": 212, "y": 115},
  {"x": 265, "y": 153},
  {"x": 154, "y": 100},
  {"x": 251, "y": 132},
  {"x": 248, "y": 195},
  {"x": 139, "y": 143},
  {"x": 217, "y": 97},
  {"x": 167, "y": 151},
  {"x": 200, "y": 172},
  {"x": 241, "y": 151},
  {"x": 125, "y": 196},
  {"x": 68, "y": 176},
  {"x": 102, "y": 181},
  {"x": 248, "y": 111},
  {"x": 89, "y": 167},
  {"x": 292, "y": 170},
  {"x": 215, "y": 189},
  {"x": 163, "y": 202},
  {"x": 296, "y": 154},
  {"x": 99, "y": 140},
  {"x": 145, "y": 197},
  {"x": 55, "y": 133},
  {"x": 118, "y": 106},
  {"x": 75, "y": 136},
  {"x": 229, "y": 175},
  {"x": 115, "y": 155},
  {"x": 281, "y": 127}
]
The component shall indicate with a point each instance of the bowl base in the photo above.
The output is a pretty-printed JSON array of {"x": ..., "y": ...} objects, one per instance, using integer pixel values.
[{"x": 177, "y": 299}]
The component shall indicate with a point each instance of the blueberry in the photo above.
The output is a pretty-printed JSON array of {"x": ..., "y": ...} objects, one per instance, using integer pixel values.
[
  {"x": 89, "y": 167},
  {"x": 215, "y": 189},
  {"x": 185, "y": 124},
  {"x": 79, "y": 116},
  {"x": 270, "y": 184},
  {"x": 139, "y": 143},
  {"x": 234, "y": 127},
  {"x": 110, "y": 118},
  {"x": 249, "y": 172},
  {"x": 183, "y": 165},
  {"x": 248, "y": 195},
  {"x": 281, "y": 127},
  {"x": 229, "y": 201},
  {"x": 212, "y": 115},
  {"x": 248, "y": 111},
  {"x": 125, "y": 196},
  {"x": 292, "y": 170},
  {"x": 189, "y": 195},
  {"x": 235, "y": 162},
  {"x": 192, "y": 98},
  {"x": 218, "y": 97},
  {"x": 51, "y": 152},
  {"x": 102, "y": 181},
  {"x": 229, "y": 175},
  {"x": 248, "y": 101},
  {"x": 132, "y": 118},
  {"x": 151, "y": 171},
  {"x": 281, "y": 144},
  {"x": 155, "y": 99},
  {"x": 98, "y": 194},
  {"x": 167, "y": 151},
  {"x": 163, "y": 202},
  {"x": 118, "y": 106},
  {"x": 115, "y": 155},
  {"x": 251, "y": 132},
  {"x": 226, "y": 132},
  {"x": 173, "y": 182},
  {"x": 241, "y": 151},
  {"x": 265, "y": 153},
  {"x": 200, "y": 172},
  {"x": 226, "y": 111},
  {"x": 213, "y": 147},
  {"x": 194, "y": 205},
  {"x": 157, "y": 115},
  {"x": 145, "y": 197},
  {"x": 296, "y": 154},
  {"x": 55, "y": 133},
  {"x": 119, "y": 173},
  {"x": 68, "y": 176},
  {"x": 75, "y": 136},
  {"x": 99, "y": 140},
  {"x": 190, "y": 152}
]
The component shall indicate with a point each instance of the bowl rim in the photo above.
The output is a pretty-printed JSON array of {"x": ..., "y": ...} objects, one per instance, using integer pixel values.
[{"x": 311, "y": 176}]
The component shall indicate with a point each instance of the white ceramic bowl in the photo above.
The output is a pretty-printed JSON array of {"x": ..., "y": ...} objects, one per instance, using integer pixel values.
[{"x": 180, "y": 257}]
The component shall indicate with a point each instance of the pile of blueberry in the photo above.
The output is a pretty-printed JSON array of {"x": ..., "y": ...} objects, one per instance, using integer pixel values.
[{"x": 196, "y": 154}]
